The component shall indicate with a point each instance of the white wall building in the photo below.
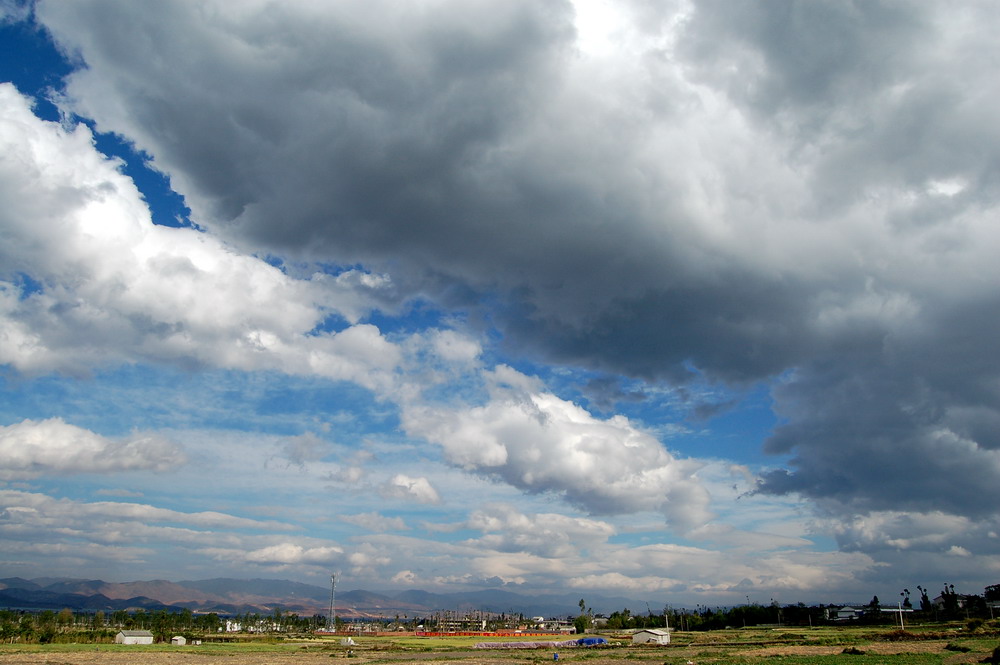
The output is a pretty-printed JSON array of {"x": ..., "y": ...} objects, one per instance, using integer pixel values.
[
  {"x": 134, "y": 637},
  {"x": 651, "y": 636}
]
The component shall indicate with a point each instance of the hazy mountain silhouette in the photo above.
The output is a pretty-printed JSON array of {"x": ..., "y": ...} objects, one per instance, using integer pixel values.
[{"x": 232, "y": 596}]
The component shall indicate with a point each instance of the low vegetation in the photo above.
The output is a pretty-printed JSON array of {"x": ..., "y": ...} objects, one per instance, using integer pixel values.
[{"x": 948, "y": 644}]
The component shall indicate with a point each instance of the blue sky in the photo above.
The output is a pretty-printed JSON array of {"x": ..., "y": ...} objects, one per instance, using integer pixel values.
[{"x": 684, "y": 303}]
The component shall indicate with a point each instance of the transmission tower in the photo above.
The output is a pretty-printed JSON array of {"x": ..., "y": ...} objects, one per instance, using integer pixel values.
[{"x": 331, "y": 622}]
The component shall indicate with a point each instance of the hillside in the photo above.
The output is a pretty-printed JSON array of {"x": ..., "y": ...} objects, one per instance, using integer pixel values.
[{"x": 235, "y": 596}]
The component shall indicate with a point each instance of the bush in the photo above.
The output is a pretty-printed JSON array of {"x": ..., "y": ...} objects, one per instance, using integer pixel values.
[
  {"x": 974, "y": 625},
  {"x": 853, "y": 651},
  {"x": 957, "y": 647}
]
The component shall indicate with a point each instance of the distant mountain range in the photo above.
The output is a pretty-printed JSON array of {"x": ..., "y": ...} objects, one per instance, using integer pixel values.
[{"x": 234, "y": 596}]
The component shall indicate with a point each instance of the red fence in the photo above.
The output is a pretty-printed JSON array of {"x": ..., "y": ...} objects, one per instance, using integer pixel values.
[{"x": 486, "y": 633}]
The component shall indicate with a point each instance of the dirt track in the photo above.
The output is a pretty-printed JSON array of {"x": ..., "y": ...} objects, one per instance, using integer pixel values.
[
  {"x": 191, "y": 656},
  {"x": 326, "y": 656}
]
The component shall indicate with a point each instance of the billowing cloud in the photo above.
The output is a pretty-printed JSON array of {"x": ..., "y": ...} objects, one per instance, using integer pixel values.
[
  {"x": 291, "y": 554},
  {"x": 919, "y": 414},
  {"x": 549, "y": 535},
  {"x": 89, "y": 280},
  {"x": 799, "y": 196},
  {"x": 648, "y": 191},
  {"x": 31, "y": 448},
  {"x": 541, "y": 443},
  {"x": 934, "y": 531},
  {"x": 402, "y": 486}
]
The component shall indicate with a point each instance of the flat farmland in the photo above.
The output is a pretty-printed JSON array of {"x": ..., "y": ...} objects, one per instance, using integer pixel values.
[{"x": 749, "y": 647}]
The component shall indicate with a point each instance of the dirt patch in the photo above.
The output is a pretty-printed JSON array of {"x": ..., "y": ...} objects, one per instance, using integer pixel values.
[
  {"x": 319, "y": 657},
  {"x": 303, "y": 657},
  {"x": 884, "y": 648}
]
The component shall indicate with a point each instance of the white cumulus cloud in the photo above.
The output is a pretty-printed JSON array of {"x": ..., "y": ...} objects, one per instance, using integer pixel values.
[
  {"x": 108, "y": 286},
  {"x": 31, "y": 448},
  {"x": 402, "y": 486},
  {"x": 539, "y": 442}
]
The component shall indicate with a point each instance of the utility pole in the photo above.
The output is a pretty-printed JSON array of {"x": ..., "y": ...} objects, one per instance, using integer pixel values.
[{"x": 331, "y": 624}]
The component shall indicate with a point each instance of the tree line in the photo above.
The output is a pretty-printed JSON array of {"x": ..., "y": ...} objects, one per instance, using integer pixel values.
[
  {"x": 950, "y": 606},
  {"x": 48, "y": 626}
]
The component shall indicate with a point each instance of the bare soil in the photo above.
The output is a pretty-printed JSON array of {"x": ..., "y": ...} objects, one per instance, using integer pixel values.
[{"x": 697, "y": 654}]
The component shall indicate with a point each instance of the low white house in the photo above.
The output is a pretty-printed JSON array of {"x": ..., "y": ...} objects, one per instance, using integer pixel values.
[
  {"x": 845, "y": 613},
  {"x": 134, "y": 637},
  {"x": 651, "y": 636},
  {"x": 178, "y": 640}
]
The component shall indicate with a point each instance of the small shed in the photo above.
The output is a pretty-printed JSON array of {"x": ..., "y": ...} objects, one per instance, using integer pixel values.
[
  {"x": 178, "y": 640},
  {"x": 845, "y": 613},
  {"x": 651, "y": 636},
  {"x": 134, "y": 637}
]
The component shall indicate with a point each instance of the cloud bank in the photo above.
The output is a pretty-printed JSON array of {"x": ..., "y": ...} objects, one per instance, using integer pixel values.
[{"x": 798, "y": 198}]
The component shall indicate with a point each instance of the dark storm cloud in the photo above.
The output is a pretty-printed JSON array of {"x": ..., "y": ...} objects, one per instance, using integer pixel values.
[
  {"x": 605, "y": 392},
  {"x": 797, "y": 189},
  {"x": 800, "y": 55},
  {"x": 448, "y": 145},
  {"x": 910, "y": 424},
  {"x": 890, "y": 94},
  {"x": 745, "y": 331},
  {"x": 342, "y": 131}
]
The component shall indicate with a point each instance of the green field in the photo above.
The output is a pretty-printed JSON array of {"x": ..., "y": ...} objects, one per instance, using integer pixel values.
[{"x": 932, "y": 645}]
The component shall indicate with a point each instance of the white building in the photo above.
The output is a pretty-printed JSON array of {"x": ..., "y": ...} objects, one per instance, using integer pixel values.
[
  {"x": 178, "y": 640},
  {"x": 845, "y": 613},
  {"x": 134, "y": 637},
  {"x": 651, "y": 636}
]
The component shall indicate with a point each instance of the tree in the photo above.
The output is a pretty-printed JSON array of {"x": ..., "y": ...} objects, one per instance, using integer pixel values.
[
  {"x": 64, "y": 618},
  {"x": 46, "y": 626},
  {"x": 208, "y": 623},
  {"x": 925, "y": 602},
  {"x": 26, "y": 628},
  {"x": 8, "y": 625},
  {"x": 583, "y": 622},
  {"x": 873, "y": 611},
  {"x": 949, "y": 600}
]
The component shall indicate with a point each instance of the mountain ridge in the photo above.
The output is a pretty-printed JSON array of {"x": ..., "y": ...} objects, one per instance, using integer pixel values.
[{"x": 235, "y": 596}]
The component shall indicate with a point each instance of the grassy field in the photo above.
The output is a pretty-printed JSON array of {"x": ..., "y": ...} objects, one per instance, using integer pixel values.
[{"x": 785, "y": 646}]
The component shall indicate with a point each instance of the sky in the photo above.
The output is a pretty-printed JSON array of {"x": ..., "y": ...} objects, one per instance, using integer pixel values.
[{"x": 693, "y": 303}]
